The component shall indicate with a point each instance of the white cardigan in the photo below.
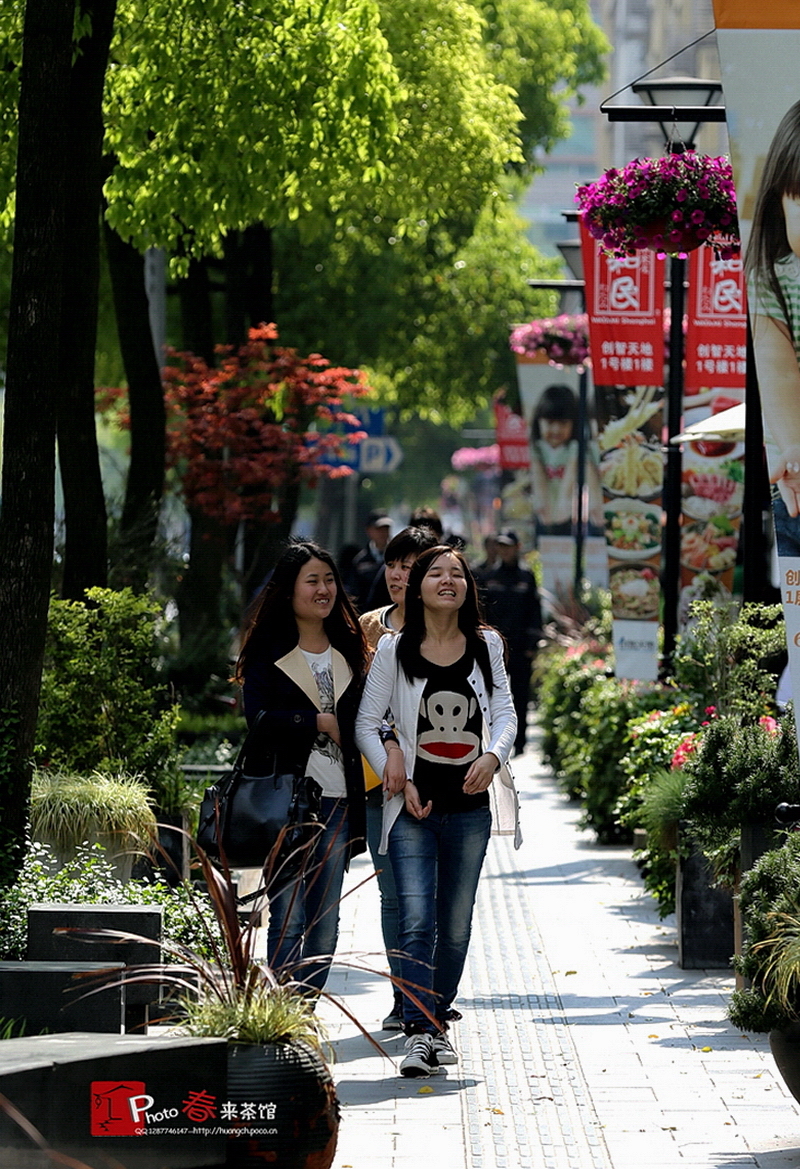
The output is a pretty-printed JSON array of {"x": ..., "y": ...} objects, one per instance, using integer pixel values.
[{"x": 388, "y": 688}]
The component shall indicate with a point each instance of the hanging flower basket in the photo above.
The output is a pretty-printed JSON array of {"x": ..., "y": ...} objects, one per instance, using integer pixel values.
[
  {"x": 564, "y": 340},
  {"x": 481, "y": 458},
  {"x": 671, "y": 205}
]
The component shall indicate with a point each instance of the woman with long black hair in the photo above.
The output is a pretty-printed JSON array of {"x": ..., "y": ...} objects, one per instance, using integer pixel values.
[
  {"x": 444, "y": 680},
  {"x": 302, "y": 664}
]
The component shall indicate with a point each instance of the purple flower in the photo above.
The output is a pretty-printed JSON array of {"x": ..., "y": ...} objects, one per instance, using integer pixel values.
[{"x": 681, "y": 189}]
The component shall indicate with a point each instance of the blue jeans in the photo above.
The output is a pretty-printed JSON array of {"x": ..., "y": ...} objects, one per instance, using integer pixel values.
[
  {"x": 437, "y": 863},
  {"x": 386, "y": 887},
  {"x": 304, "y": 916},
  {"x": 787, "y": 528}
]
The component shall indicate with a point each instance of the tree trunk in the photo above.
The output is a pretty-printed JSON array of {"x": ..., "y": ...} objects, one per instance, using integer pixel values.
[
  {"x": 248, "y": 281},
  {"x": 197, "y": 322},
  {"x": 200, "y": 592},
  {"x": 265, "y": 543},
  {"x": 85, "y": 556},
  {"x": 148, "y": 417},
  {"x": 258, "y": 249},
  {"x": 28, "y": 488}
]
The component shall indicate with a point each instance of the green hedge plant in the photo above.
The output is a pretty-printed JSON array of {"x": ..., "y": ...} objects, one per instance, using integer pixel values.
[
  {"x": 104, "y": 706},
  {"x": 736, "y": 776},
  {"x": 89, "y": 878},
  {"x": 770, "y": 958},
  {"x": 599, "y": 738}
]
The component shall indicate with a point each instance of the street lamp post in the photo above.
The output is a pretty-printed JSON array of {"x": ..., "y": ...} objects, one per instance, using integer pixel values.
[{"x": 571, "y": 251}]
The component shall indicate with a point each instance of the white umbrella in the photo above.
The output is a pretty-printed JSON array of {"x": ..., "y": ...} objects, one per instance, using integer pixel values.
[{"x": 727, "y": 426}]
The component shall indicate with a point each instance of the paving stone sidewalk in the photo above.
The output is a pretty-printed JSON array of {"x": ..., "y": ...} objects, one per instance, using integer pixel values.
[{"x": 583, "y": 1044}]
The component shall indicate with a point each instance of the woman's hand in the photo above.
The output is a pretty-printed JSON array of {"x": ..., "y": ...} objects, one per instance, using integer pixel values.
[
  {"x": 413, "y": 804},
  {"x": 327, "y": 724},
  {"x": 480, "y": 774},
  {"x": 394, "y": 773},
  {"x": 787, "y": 475}
]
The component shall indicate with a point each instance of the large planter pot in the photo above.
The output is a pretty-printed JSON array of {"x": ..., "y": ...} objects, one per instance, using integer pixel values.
[
  {"x": 784, "y": 1043},
  {"x": 704, "y": 917},
  {"x": 287, "y": 1114}
]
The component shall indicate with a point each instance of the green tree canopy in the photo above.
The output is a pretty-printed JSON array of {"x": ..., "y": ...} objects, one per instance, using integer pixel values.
[{"x": 430, "y": 319}]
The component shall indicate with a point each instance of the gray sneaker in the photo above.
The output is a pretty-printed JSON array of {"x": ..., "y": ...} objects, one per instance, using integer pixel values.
[
  {"x": 445, "y": 1052},
  {"x": 394, "y": 1020},
  {"x": 421, "y": 1058}
]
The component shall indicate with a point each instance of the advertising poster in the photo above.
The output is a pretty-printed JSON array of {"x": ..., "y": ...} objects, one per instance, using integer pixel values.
[
  {"x": 712, "y": 478},
  {"x": 549, "y": 395},
  {"x": 632, "y": 476},
  {"x": 625, "y": 303},
  {"x": 759, "y": 47}
]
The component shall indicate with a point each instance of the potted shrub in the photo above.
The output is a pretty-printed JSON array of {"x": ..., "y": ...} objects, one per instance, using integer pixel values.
[
  {"x": 67, "y": 810},
  {"x": 670, "y": 204},
  {"x": 770, "y": 957},
  {"x": 736, "y": 776},
  {"x": 274, "y": 1041}
]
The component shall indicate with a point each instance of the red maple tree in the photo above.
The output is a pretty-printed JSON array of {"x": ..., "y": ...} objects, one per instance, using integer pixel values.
[{"x": 239, "y": 433}]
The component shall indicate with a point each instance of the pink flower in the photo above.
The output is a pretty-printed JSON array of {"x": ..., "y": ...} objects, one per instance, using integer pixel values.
[
  {"x": 685, "y": 748},
  {"x": 769, "y": 724}
]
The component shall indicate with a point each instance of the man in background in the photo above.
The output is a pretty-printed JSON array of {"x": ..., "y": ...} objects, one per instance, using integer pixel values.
[
  {"x": 511, "y": 599},
  {"x": 365, "y": 564}
]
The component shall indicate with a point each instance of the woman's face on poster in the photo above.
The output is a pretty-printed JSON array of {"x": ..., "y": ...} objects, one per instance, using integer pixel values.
[
  {"x": 555, "y": 431},
  {"x": 791, "y": 213}
]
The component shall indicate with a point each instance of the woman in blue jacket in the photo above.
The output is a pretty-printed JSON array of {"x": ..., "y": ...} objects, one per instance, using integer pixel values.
[{"x": 302, "y": 663}]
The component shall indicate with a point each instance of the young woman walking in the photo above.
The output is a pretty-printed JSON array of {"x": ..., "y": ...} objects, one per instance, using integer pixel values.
[
  {"x": 399, "y": 557},
  {"x": 302, "y": 663},
  {"x": 444, "y": 681}
]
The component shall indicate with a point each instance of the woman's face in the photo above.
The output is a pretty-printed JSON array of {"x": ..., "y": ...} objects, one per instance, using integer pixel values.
[
  {"x": 444, "y": 585},
  {"x": 791, "y": 213},
  {"x": 555, "y": 431},
  {"x": 314, "y": 591},
  {"x": 397, "y": 577}
]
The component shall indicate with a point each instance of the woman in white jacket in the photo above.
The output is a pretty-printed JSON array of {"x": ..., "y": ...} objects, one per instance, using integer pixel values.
[{"x": 444, "y": 681}]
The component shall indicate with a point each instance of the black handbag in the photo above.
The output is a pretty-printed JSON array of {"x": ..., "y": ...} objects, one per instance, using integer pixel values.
[{"x": 244, "y": 816}]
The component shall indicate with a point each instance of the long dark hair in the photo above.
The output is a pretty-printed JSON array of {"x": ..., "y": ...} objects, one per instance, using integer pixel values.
[
  {"x": 271, "y": 630},
  {"x": 470, "y": 619},
  {"x": 781, "y": 176}
]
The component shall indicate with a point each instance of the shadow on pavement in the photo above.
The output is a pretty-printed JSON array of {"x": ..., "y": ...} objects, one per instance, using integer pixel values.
[
  {"x": 788, "y": 1158},
  {"x": 363, "y": 1092}
]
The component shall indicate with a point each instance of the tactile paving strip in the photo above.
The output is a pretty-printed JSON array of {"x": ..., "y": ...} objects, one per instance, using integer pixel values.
[{"x": 525, "y": 1103}]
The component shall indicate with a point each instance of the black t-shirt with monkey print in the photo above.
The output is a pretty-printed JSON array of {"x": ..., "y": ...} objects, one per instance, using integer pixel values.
[{"x": 448, "y": 738}]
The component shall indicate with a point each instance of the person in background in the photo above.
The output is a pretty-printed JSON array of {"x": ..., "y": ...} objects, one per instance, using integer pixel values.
[
  {"x": 511, "y": 600},
  {"x": 302, "y": 663},
  {"x": 421, "y": 517},
  {"x": 489, "y": 560},
  {"x": 366, "y": 564},
  {"x": 443, "y": 679},
  {"x": 400, "y": 557}
]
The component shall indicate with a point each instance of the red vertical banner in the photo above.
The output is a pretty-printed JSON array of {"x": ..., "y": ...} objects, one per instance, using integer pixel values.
[
  {"x": 716, "y": 335},
  {"x": 512, "y": 439},
  {"x": 625, "y": 303}
]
